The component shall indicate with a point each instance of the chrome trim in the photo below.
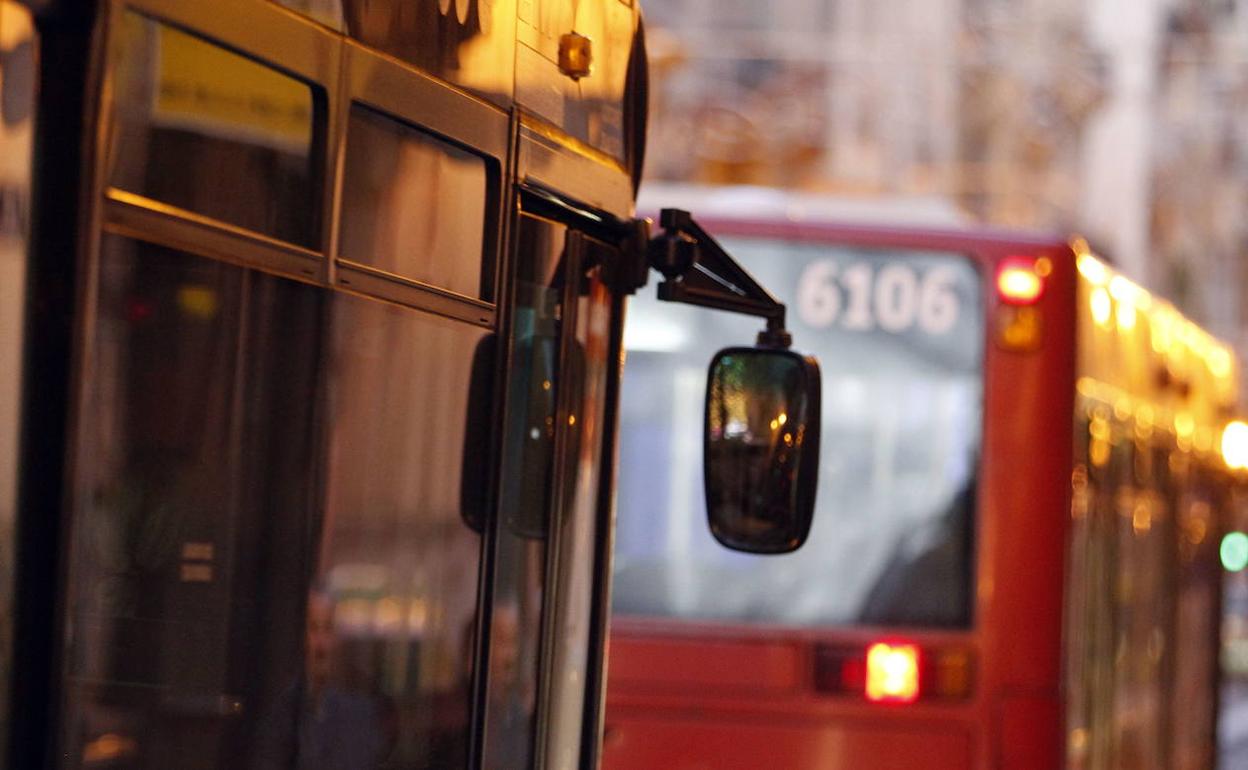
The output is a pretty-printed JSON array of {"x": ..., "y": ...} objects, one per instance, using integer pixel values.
[
  {"x": 363, "y": 279},
  {"x": 135, "y": 216}
]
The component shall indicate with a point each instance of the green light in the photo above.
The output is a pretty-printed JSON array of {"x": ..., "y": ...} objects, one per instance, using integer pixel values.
[{"x": 1234, "y": 551}]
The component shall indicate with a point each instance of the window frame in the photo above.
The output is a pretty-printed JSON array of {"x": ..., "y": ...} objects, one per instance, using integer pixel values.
[
  {"x": 340, "y": 73},
  {"x": 420, "y": 102}
]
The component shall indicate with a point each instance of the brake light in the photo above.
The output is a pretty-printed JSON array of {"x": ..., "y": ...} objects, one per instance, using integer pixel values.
[
  {"x": 1020, "y": 281},
  {"x": 892, "y": 673}
]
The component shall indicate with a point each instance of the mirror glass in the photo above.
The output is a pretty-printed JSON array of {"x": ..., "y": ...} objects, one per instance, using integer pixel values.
[{"x": 761, "y": 450}]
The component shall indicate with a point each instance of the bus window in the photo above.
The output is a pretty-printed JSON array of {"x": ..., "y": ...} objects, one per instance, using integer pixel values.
[
  {"x": 414, "y": 206},
  {"x": 192, "y": 527},
  {"x": 215, "y": 133},
  {"x": 527, "y": 495},
  {"x": 269, "y": 561},
  {"x": 571, "y": 661},
  {"x": 899, "y": 337},
  {"x": 395, "y": 557}
]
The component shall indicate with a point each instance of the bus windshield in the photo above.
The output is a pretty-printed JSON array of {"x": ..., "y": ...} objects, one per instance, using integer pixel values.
[{"x": 899, "y": 336}]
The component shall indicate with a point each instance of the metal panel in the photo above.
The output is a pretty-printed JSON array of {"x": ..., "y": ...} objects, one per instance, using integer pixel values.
[
  {"x": 573, "y": 170},
  {"x": 377, "y": 283},
  {"x": 138, "y": 217}
]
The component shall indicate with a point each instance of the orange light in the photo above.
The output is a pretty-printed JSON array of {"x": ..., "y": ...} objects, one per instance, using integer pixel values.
[
  {"x": 1018, "y": 282},
  {"x": 892, "y": 673}
]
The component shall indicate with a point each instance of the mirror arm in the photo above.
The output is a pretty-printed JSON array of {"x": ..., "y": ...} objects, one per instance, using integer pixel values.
[{"x": 697, "y": 271}]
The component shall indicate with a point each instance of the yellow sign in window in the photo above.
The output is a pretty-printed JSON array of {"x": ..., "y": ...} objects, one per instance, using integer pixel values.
[{"x": 204, "y": 88}]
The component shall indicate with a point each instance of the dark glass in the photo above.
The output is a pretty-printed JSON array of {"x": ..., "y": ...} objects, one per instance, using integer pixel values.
[
  {"x": 578, "y": 543},
  {"x": 762, "y": 448},
  {"x": 397, "y": 561},
  {"x": 193, "y": 534},
  {"x": 269, "y": 567},
  {"x": 215, "y": 133},
  {"x": 17, "y": 98},
  {"x": 526, "y": 499},
  {"x": 901, "y": 411},
  {"x": 414, "y": 205}
]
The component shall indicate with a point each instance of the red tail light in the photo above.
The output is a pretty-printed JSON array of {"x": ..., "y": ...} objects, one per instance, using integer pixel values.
[
  {"x": 944, "y": 673},
  {"x": 892, "y": 673},
  {"x": 1019, "y": 281}
]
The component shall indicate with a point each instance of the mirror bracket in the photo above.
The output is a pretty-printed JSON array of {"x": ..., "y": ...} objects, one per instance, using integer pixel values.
[{"x": 697, "y": 271}]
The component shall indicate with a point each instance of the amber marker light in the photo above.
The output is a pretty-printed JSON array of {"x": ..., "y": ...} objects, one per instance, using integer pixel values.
[
  {"x": 1019, "y": 282},
  {"x": 892, "y": 673}
]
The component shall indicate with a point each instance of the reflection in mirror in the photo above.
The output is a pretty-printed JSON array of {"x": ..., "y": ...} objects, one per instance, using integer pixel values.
[{"x": 761, "y": 448}]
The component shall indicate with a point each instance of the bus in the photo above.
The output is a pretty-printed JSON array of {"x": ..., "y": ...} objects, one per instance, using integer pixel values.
[
  {"x": 1014, "y": 560},
  {"x": 309, "y": 372}
]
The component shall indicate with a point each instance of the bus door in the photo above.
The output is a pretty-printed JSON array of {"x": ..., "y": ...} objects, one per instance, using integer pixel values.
[{"x": 547, "y": 613}]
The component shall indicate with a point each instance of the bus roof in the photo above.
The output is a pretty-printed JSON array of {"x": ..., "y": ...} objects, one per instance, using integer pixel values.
[{"x": 764, "y": 212}]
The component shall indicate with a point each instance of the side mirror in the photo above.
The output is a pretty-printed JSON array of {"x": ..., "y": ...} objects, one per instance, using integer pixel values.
[{"x": 761, "y": 450}]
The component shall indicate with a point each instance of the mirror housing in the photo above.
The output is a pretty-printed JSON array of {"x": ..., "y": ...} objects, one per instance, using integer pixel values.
[{"x": 761, "y": 448}]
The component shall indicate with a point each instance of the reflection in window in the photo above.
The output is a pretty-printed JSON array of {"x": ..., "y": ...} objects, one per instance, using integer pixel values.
[
  {"x": 397, "y": 560},
  {"x": 269, "y": 567},
  {"x": 573, "y": 615},
  {"x": 191, "y": 534},
  {"x": 215, "y": 133},
  {"x": 527, "y": 496},
  {"x": 414, "y": 205}
]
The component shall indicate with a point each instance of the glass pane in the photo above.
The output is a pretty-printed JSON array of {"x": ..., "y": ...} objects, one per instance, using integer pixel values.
[
  {"x": 398, "y": 571},
  {"x": 899, "y": 336},
  {"x": 526, "y": 496},
  {"x": 215, "y": 133},
  {"x": 587, "y": 373},
  {"x": 242, "y": 593},
  {"x": 414, "y": 205},
  {"x": 17, "y": 77},
  {"x": 193, "y": 537}
]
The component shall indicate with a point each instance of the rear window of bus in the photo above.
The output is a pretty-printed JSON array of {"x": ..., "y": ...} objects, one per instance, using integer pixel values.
[{"x": 899, "y": 336}]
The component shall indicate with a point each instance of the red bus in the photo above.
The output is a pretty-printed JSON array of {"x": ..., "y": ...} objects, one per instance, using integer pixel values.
[{"x": 1013, "y": 562}]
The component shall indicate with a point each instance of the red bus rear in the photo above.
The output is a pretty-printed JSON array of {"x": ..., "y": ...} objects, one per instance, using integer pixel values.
[{"x": 922, "y": 625}]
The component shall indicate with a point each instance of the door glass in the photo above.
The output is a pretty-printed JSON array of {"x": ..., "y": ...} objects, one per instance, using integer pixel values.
[
  {"x": 526, "y": 496},
  {"x": 215, "y": 133},
  {"x": 587, "y": 374}
]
